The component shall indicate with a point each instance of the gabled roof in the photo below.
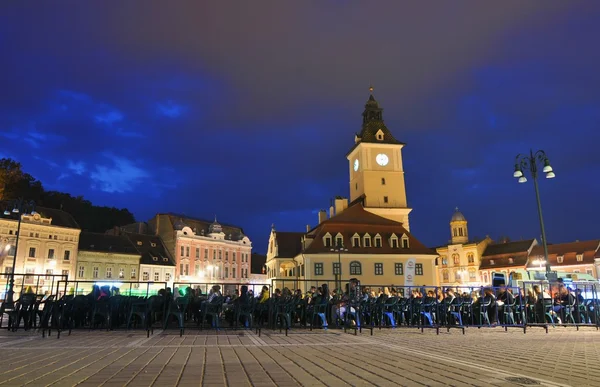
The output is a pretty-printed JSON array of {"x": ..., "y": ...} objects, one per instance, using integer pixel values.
[
  {"x": 289, "y": 244},
  {"x": 569, "y": 252},
  {"x": 105, "y": 243},
  {"x": 357, "y": 220},
  {"x": 495, "y": 249},
  {"x": 151, "y": 249}
]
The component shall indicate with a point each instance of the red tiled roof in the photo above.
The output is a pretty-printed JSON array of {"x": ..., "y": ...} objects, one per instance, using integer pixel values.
[
  {"x": 357, "y": 220},
  {"x": 503, "y": 261},
  {"x": 289, "y": 244},
  {"x": 569, "y": 252}
]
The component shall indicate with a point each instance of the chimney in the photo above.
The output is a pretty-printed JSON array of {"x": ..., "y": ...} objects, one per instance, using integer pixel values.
[
  {"x": 322, "y": 216},
  {"x": 331, "y": 213},
  {"x": 340, "y": 204},
  {"x": 307, "y": 227}
]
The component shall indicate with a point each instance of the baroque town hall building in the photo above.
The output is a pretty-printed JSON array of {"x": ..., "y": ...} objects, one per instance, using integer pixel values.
[{"x": 368, "y": 238}]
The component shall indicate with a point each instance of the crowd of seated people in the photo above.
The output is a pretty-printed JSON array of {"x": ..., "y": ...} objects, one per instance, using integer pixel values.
[{"x": 321, "y": 306}]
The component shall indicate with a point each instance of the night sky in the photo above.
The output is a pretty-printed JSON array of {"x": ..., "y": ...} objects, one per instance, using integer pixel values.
[{"x": 247, "y": 109}]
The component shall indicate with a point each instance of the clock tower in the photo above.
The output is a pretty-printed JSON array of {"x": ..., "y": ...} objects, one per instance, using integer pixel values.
[{"x": 376, "y": 170}]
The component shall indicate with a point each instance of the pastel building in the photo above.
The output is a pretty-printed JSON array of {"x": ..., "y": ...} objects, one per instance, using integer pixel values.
[
  {"x": 204, "y": 252},
  {"x": 48, "y": 244},
  {"x": 459, "y": 260}
]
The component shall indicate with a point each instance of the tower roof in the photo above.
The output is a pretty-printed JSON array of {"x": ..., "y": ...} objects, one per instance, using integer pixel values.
[
  {"x": 458, "y": 216},
  {"x": 373, "y": 123}
]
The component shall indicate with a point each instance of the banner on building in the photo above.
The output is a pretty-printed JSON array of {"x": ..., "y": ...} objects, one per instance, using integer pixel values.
[{"x": 410, "y": 272}]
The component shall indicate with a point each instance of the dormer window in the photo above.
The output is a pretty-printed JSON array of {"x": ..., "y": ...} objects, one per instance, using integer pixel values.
[
  {"x": 379, "y": 135},
  {"x": 367, "y": 241},
  {"x": 492, "y": 262},
  {"x": 560, "y": 258},
  {"x": 339, "y": 240},
  {"x": 377, "y": 240},
  {"x": 155, "y": 258},
  {"x": 328, "y": 240},
  {"x": 153, "y": 244},
  {"x": 355, "y": 241},
  {"x": 511, "y": 260},
  {"x": 405, "y": 244},
  {"x": 394, "y": 241},
  {"x": 579, "y": 257},
  {"x": 139, "y": 243}
]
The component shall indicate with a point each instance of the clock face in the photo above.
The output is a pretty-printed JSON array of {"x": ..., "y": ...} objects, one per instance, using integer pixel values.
[
  {"x": 382, "y": 159},
  {"x": 356, "y": 164}
]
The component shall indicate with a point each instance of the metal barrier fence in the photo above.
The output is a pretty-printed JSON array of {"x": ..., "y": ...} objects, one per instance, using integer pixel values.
[
  {"x": 305, "y": 286},
  {"x": 126, "y": 288},
  {"x": 39, "y": 283},
  {"x": 227, "y": 288},
  {"x": 573, "y": 304}
]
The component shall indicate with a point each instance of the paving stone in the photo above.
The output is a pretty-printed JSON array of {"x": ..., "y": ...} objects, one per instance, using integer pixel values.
[{"x": 400, "y": 357}]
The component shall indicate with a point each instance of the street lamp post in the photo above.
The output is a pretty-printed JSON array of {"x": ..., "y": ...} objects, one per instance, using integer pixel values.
[
  {"x": 20, "y": 207},
  {"x": 339, "y": 248},
  {"x": 530, "y": 162}
]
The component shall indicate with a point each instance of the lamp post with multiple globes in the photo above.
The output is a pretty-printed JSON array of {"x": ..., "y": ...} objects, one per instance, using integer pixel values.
[
  {"x": 530, "y": 162},
  {"x": 339, "y": 249},
  {"x": 19, "y": 208}
]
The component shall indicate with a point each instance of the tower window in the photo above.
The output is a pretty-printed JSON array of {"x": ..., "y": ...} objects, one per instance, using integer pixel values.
[
  {"x": 460, "y": 232},
  {"x": 455, "y": 232},
  {"x": 356, "y": 186},
  {"x": 383, "y": 181},
  {"x": 385, "y": 199}
]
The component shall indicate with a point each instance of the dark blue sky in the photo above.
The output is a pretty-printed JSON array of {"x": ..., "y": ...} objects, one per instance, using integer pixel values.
[{"x": 247, "y": 110}]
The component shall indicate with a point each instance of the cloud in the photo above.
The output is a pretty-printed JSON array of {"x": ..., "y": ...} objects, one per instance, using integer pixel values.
[
  {"x": 120, "y": 177},
  {"x": 109, "y": 118},
  {"x": 78, "y": 167},
  {"x": 170, "y": 109}
]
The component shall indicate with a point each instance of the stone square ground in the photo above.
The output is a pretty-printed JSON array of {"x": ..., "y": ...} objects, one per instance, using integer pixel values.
[{"x": 400, "y": 357}]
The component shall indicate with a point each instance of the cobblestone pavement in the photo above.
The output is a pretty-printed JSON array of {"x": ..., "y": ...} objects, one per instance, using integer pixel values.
[{"x": 401, "y": 357}]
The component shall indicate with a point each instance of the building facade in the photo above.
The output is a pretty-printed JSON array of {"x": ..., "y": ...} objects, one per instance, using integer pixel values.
[
  {"x": 156, "y": 264},
  {"x": 369, "y": 237},
  {"x": 574, "y": 258},
  {"x": 355, "y": 243},
  {"x": 204, "y": 252},
  {"x": 105, "y": 258},
  {"x": 48, "y": 244},
  {"x": 505, "y": 258},
  {"x": 458, "y": 263}
]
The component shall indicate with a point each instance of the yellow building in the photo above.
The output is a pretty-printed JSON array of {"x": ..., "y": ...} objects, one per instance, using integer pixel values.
[
  {"x": 369, "y": 238},
  {"x": 459, "y": 261},
  {"x": 105, "y": 258},
  {"x": 47, "y": 245}
]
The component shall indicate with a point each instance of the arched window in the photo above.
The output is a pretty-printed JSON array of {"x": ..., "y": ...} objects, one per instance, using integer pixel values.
[
  {"x": 445, "y": 276},
  {"x": 471, "y": 258},
  {"x": 383, "y": 181},
  {"x": 355, "y": 268},
  {"x": 444, "y": 260},
  {"x": 456, "y": 259}
]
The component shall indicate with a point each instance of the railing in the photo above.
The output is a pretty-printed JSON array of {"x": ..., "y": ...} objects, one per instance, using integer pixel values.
[
  {"x": 227, "y": 288},
  {"x": 40, "y": 283},
  {"x": 126, "y": 288}
]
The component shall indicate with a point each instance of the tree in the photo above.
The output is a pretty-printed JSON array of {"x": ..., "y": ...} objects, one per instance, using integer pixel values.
[{"x": 14, "y": 183}]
